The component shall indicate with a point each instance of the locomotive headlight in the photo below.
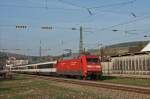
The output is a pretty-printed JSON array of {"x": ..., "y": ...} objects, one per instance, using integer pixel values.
[{"x": 91, "y": 66}]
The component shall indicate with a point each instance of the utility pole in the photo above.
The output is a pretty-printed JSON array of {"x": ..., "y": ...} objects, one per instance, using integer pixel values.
[
  {"x": 100, "y": 48},
  {"x": 40, "y": 50},
  {"x": 81, "y": 41}
]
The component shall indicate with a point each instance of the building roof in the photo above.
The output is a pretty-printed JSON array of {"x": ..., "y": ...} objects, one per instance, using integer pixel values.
[{"x": 146, "y": 48}]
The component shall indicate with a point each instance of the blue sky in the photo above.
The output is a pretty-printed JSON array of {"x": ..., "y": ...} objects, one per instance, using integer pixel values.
[{"x": 63, "y": 16}]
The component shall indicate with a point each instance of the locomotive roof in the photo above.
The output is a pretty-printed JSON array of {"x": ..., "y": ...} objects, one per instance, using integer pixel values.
[
  {"x": 146, "y": 48},
  {"x": 77, "y": 56}
]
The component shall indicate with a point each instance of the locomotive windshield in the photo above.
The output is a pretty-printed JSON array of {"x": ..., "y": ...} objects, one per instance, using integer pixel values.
[{"x": 92, "y": 60}]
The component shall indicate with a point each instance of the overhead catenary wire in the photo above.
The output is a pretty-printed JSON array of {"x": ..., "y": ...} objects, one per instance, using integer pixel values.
[
  {"x": 60, "y": 8},
  {"x": 88, "y": 9},
  {"x": 124, "y": 23},
  {"x": 114, "y": 4},
  {"x": 98, "y": 7},
  {"x": 71, "y": 28},
  {"x": 37, "y": 7},
  {"x": 96, "y": 28},
  {"x": 46, "y": 6},
  {"x": 116, "y": 39},
  {"x": 119, "y": 24},
  {"x": 72, "y": 4}
]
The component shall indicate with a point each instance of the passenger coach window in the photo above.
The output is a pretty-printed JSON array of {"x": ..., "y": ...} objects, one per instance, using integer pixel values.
[
  {"x": 30, "y": 67},
  {"x": 45, "y": 66}
]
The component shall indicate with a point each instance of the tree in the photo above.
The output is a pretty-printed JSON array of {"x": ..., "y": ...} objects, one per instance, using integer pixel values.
[{"x": 3, "y": 58}]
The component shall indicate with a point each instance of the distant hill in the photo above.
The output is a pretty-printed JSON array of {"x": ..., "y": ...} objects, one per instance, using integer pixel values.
[
  {"x": 18, "y": 56},
  {"x": 129, "y": 44},
  {"x": 121, "y": 48}
]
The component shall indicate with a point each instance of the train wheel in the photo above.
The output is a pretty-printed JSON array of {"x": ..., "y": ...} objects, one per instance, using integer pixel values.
[
  {"x": 89, "y": 77},
  {"x": 99, "y": 76},
  {"x": 80, "y": 77},
  {"x": 84, "y": 77}
]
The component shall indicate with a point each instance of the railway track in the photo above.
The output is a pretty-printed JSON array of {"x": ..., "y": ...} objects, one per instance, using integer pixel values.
[
  {"x": 146, "y": 77},
  {"x": 129, "y": 88}
]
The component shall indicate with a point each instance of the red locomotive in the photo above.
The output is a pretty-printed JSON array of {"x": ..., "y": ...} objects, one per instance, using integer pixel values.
[{"x": 85, "y": 67}]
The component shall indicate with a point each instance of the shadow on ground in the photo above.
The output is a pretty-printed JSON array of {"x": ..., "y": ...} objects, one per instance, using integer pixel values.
[{"x": 107, "y": 77}]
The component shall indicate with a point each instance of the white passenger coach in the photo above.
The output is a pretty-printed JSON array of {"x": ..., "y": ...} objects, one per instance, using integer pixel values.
[{"x": 38, "y": 68}]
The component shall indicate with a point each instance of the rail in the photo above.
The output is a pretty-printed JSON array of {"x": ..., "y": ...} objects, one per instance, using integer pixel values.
[{"x": 129, "y": 88}]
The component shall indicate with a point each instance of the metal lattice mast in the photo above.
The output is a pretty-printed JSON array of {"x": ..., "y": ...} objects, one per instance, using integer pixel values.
[
  {"x": 81, "y": 41},
  {"x": 40, "y": 50}
]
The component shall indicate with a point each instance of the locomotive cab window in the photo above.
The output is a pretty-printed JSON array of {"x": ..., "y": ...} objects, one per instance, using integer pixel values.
[{"x": 92, "y": 60}]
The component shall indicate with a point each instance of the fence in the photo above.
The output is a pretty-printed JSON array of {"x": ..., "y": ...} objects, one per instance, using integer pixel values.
[{"x": 131, "y": 64}]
